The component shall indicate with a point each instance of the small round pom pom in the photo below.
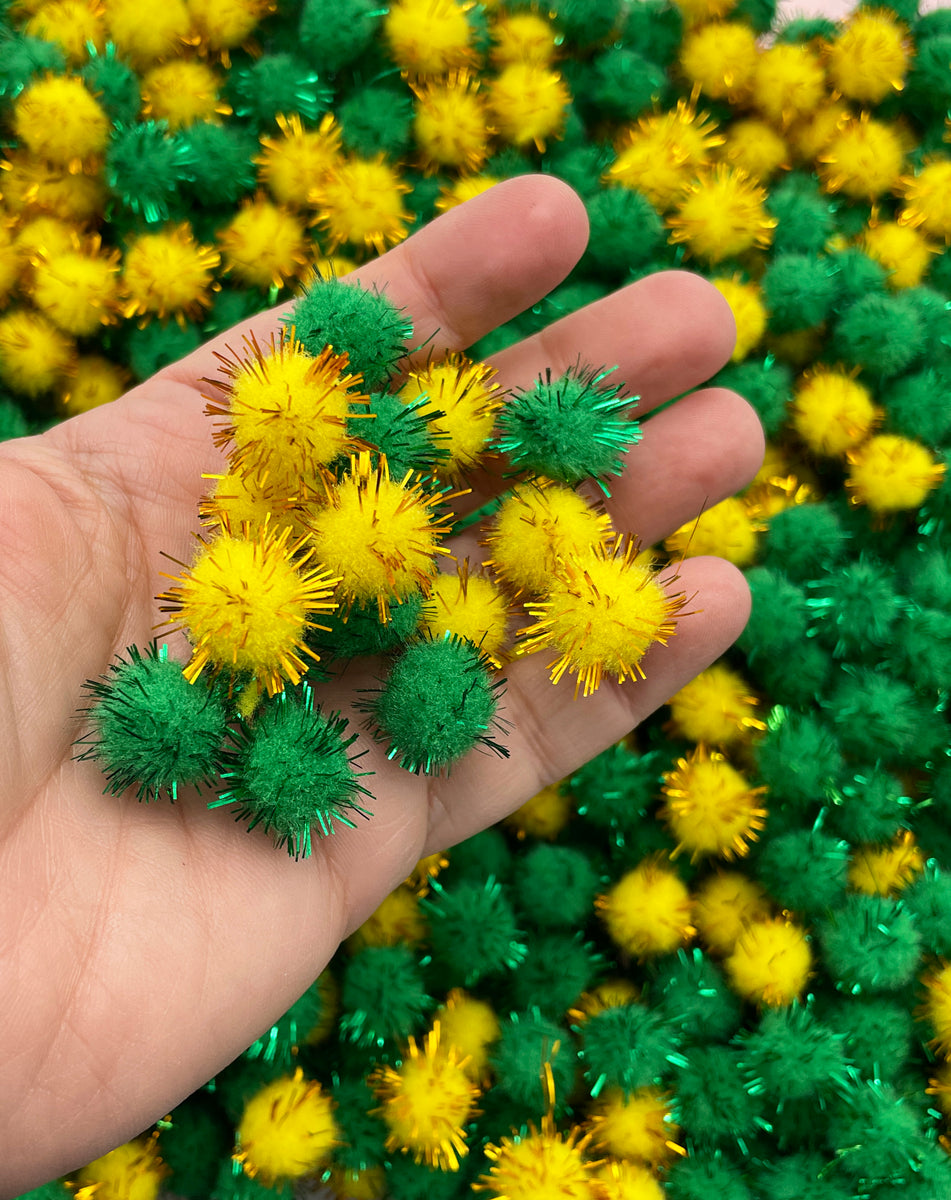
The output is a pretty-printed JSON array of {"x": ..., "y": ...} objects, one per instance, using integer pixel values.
[
  {"x": 716, "y": 707},
  {"x": 144, "y": 42},
  {"x": 361, "y": 632},
  {"x": 693, "y": 995},
  {"x": 450, "y": 123},
  {"x": 438, "y": 703},
  {"x": 881, "y": 334},
  {"x": 636, "y": 1126},
  {"x": 778, "y": 621},
  {"x": 276, "y": 84},
  {"x": 725, "y": 905},
  {"x": 832, "y": 411},
  {"x": 58, "y": 119},
  {"x": 728, "y": 529},
  {"x": 766, "y": 383},
  {"x": 877, "y": 1132},
  {"x": 868, "y": 59},
  {"x": 928, "y": 899},
  {"x": 538, "y": 1166},
  {"x": 569, "y": 427},
  {"x": 722, "y": 215},
  {"x": 886, "y": 870},
  {"x": 287, "y": 1130},
  {"x": 382, "y": 996},
  {"x": 648, "y": 910},
  {"x": 460, "y": 399},
  {"x": 602, "y": 613},
  {"x": 522, "y": 36},
  {"x": 661, "y": 153},
  {"x": 936, "y": 1008},
  {"x": 34, "y": 355},
  {"x": 534, "y": 527},
  {"x": 429, "y": 37},
  {"x": 360, "y": 202},
  {"x": 547, "y": 872},
  {"x": 710, "y": 807},
  {"x": 399, "y": 431},
  {"x": 755, "y": 147},
  {"x": 167, "y": 274},
  {"x": 146, "y": 167},
  {"x": 625, "y": 231},
  {"x": 471, "y": 607},
  {"x": 790, "y": 1055},
  {"x": 928, "y": 89},
  {"x": 528, "y": 104},
  {"x": 800, "y": 757},
  {"x": 890, "y": 473},
  {"x": 622, "y": 84},
  {"x": 426, "y": 1103},
  {"x": 863, "y": 159},
  {"x": 263, "y": 245},
  {"x": 292, "y": 165},
  {"x": 870, "y": 944},
  {"x": 902, "y": 250},
  {"x": 181, "y": 92},
  {"x": 770, "y": 963},
  {"x": 530, "y": 1048},
  {"x": 856, "y": 608},
  {"x": 152, "y": 729},
  {"x": 789, "y": 82},
  {"x": 628, "y": 1046},
  {"x": 869, "y": 806},
  {"x": 333, "y": 34},
  {"x": 720, "y": 57},
  {"x": 804, "y": 214},
  {"x": 621, "y": 1179},
  {"x": 114, "y": 84},
  {"x": 799, "y": 291},
  {"x": 247, "y": 604},
  {"x": 927, "y": 199},
  {"x": 362, "y": 324},
  {"x": 804, "y": 540},
  {"x": 398, "y": 918},
  {"x": 881, "y": 718},
  {"x": 289, "y": 772},
  {"x": 24, "y": 59},
  {"x": 544, "y": 815},
  {"x": 375, "y": 119},
  {"x": 879, "y": 1034},
  {"x": 710, "y": 1100},
  {"x": 134, "y": 1169},
  {"x": 779, "y": 868},
  {"x": 698, "y": 1176},
  {"x": 557, "y": 970},
  {"x": 473, "y": 931},
  {"x": 223, "y": 167}
]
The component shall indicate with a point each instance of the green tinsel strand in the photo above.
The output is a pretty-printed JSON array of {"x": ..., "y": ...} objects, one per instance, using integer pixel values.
[
  {"x": 629, "y": 1046},
  {"x": 382, "y": 996},
  {"x": 711, "y": 1104},
  {"x": 799, "y": 758},
  {"x": 799, "y": 291},
  {"x": 437, "y": 703},
  {"x": 527, "y": 1042},
  {"x": 193, "y": 1143},
  {"x": 880, "y": 334},
  {"x": 869, "y": 805},
  {"x": 931, "y": 1179},
  {"x": 361, "y": 323},
  {"x": 778, "y": 620},
  {"x": 870, "y": 944},
  {"x": 570, "y": 427},
  {"x": 804, "y": 541},
  {"x": 880, "y": 1035},
  {"x": 698, "y": 1177},
  {"x": 157, "y": 345},
  {"x": 766, "y": 384},
  {"x": 880, "y": 717},
  {"x": 625, "y": 231},
  {"x": 473, "y": 932},
  {"x": 402, "y": 432},
  {"x": 692, "y": 994},
  {"x": 114, "y": 84},
  {"x": 804, "y": 215},
  {"x": 290, "y": 772},
  {"x": 363, "y": 633},
  {"x": 277, "y": 83},
  {"x": 557, "y": 968},
  {"x": 364, "y": 1131},
  {"x": 916, "y": 407},
  {"x": 146, "y": 167},
  {"x": 855, "y": 609},
  {"x": 377, "y": 119},
  {"x": 334, "y": 34},
  {"x": 876, "y": 1134},
  {"x": 223, "y": 170},
  {"x": 778, "y": 867},
  {"x": 790, "y": 1055},
  {"x": 653, "y": 28},
  {"x": 804, "y": 1175},
  {"x": 152, "y": 730},
  {"x": 23, "y": 58},
  {"x": 555, "y": 886}
]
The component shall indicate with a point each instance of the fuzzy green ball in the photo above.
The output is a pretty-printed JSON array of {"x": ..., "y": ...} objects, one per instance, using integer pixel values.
[
  {"x": 334, "y": 33},
  {"x": 766, "y": 383},
  {"x": 614, "y": 789},
  {"x": 555, "y": 886},
  {"x": 922, "y": 648},
  {"x": 880, "y": 334},
  {"x": 401, "y": 431},
  {"x": 410, "y": 1180},
  {"x": 870, "y": 944},
  {"x": 146, "y": 167},
  {"x": 916, "y": 406},
  {"x": 803, "y": 1175},
  {"x": 13, "y": 422},
  {"x": 375, "y": 120},
  {"x": 928, "y": 899},
  {"x": 278, "y": 83},
  {"x": 779, "y": 869},
  {"x": 806, "y": 29},
  {"x": 653, "y": 28},
  {"x": 625, "y": 231},
  {"x": 804, "y": 541},
  {"x": 699, "y": 1177},
  {"x": 363, "y": 324},
  {"x": 855, "y": 608},
  {"x": 557, "y": 968},
  {"x": 857, "y": 276},
  {"x": 569, "y": 427},
  {"x": 790, "y": 1055},
  {"x": 799, "y": 758},
  {"x": 582, "y": 22},
  {"x": 382, "y": 996},
  {"x": 437, "y": 704},
  {"x": 797, "y": 688},
  {"x": 290, "y": 771},
  {"x": 152, "y": 730},
  {"x": 799, "y": 291},
  {"x": 224, "y": 171},
  {"x": 880, "y": 717},
  {"x": 629, "y": 1046},
  {"x": 23, "y": 58},
  {"x": 778, "y": 620},
  {"x": 528, "y": 1041},
  {"x": 363, "y": 633},
  {"x": 157, "y": 345},
  {"x": 114, "y": 84},
  {"x": 691, "y": 992},
  {"x": 869, "y": 805},
  {"x": 928, "y": 86},
  {"x": 197, "y": 1138},
  {"x": 804, "y": 215},
  {"x": 880, "y": 1033},
  {"x": 365, "y": 1131},
  {"x": 876, "y": 1133},
  {"x": 621, "y": 84},
  {"x": 711, "y": 1104},
  {"x": 281, "y": 1043},
  {"x": 473, "y": 932},
  {"x": 484, "y": 854}
]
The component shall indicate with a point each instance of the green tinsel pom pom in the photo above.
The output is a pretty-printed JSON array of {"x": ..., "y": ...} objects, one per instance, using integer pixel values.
[
  {"x": 473, "y": 932},
  {"x": 146, "y": 167},
  {"x": 569, "y": 428},
  {"x": 629, "y": 1046},
  {"x": 804, "y": 1175},
  {"x": 804, "y": 541},
  {"x": 375, "y": 120},
  {"x": 799, "y": 291},
  {"x": 880, "y": 334},
  {"x": 857, "y": 276},
  {"x": 333, "y": 33},
  {"x": 527, "y": 1042},
  {"x": 153, "y": 730},
  {"x": 192, "y": 1145},
  {"x": 613, "y": 790},
  {"x": 382, "y": 996},
  {"x": 402, "y": 432},
  {"x": 363, "y": 633},
  {"x": 557, "y": 968},
  {"x": 778, "y": 620},
  {"x": 711, "y": 1104},
  {"x": 790, "y": 1055},
  {"x": 289, "y": 771},
  {"x": 114, "y": 84},
  {"x": 223, "y": 170},
  {"x": 363, "y": 324},
  {"x": 880, "y": 717},
  {"x": 281, "y": 1043},
  {"x": 779, "y": 869},
  {"x": 869, "y": 805},
  {"x": 556, "y": 886},
  {"x": 928, "y": 86},
  {"x": 800, "y": 687},
  {"x": 766, "y": 384},
  {"x": 699, "y": 1178},
  {"x": 690, "y": 991},
  {"x": 621, "y": 84},
  {"x": 805, "y": 215},
  {"x": 877, "y": 1134},
  {"x": 870, "y": 944},
  {"x": 625, "y": 231},
  {"x": 855, "y": 608},
  {"x": 928, "y": 900},
  {"x": 653, "y": 28},
  {"x": 799, "y": 757},
  {"x": 54, "y": 1190},
  {"x": 761, "y": 14},
  {"x": 931, "y": 308},
  {"x": 233, "y": 1184},
  {"x": 880, "y": 1034},
  {"x": 277, "y": 83},
  {"x": 922, "y": 648},
  {"x": 438, "y": 702},
  {"x": 917, "y": 407},
  {"x": 409, "y": 1180},
  {"x": 806, "y": 29},
  {"x": 484, "y": 854},
  {"x": 22, "y": 58}
]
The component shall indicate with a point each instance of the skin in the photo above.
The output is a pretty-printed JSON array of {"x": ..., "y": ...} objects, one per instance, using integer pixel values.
[{"x": 142, "y": 947}]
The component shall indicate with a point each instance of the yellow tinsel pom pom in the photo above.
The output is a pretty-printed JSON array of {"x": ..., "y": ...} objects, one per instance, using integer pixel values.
[
  {"x": 543, "y": 815},
  {"x": 181, "y": 92},
  {"x": 294, "y": 165},
  {"x": 863, "y": 158},
  {"x": 539, "y": 1165},
  {"x": 636, "y": 1126},
  {"x": 789, "y": 83},
  {"x": 868, "y": 59},
  {"x": 133, "y": 1171},
  {"x": 397, "y": 919},
  {"x": 527, "y": 104},
  {"x": 660, "y": 154},
  {"x": 460, "y": 399},
  {"x": 722, "y": 214},
  {"x": 889, "y": 473},
  {"x": 168, "y": 274},
  {"x": 76, "y": 289},
  {"x": 360, "y": 203},
  {"x": 720, "y": 58},
  {"x": 927, "y": 197},
  {"x": 287, "y": 1130},
  {"x": 716, "y": 707},
  {"x": 429, "y": 37},
  {"x": 263, "y": 244},
  {"x": 831, "y": 411},
  {"x": 770, "y": 963},
  {"x": 729, "y": 530},
  {"x": 468, "y": 606},
  {"x": 469, "y": 1026},
  {"x": 93, "y": 381},
  {"x": 710, "y": 808},
  {"x": 142, "y": 43},
  {"x": 450, "y": 124},
  {"x": 745, "y": 299},
  {"x": 73, "y": 25},
  {"x": 648, "y": 911},
  {"x": 58, "y": 119},
  {"x": 901, "y": 249},
  {"x": 725, "y": 904},
  {"x": 34, "y": 354},
  {"x": 522, "y": 37}
]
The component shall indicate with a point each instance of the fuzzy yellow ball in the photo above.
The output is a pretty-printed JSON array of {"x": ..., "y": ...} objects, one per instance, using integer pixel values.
[
  {"x": 770, "y": 963},
  {"x": 868, "y": 59},
  {"x": 58, "y": 119},
  {"x": 831, "y": 411},
  {"x": 710, "y": 808},
  {"x": 647, "y": 912},
  {"x": 890, "y": 473},
  {"x": 287, "y": 1130},
  {"x": 716, "y": 707}
]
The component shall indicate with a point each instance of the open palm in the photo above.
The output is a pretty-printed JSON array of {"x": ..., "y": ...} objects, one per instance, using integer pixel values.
[{"x": 143, "y": 946}]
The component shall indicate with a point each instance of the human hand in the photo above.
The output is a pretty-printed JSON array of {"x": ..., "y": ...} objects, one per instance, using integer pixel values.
[{"x": 142, "y": 947}]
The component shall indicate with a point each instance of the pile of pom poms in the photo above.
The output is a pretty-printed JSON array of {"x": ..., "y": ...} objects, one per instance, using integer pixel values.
[{"x": 715, "y": 959}]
